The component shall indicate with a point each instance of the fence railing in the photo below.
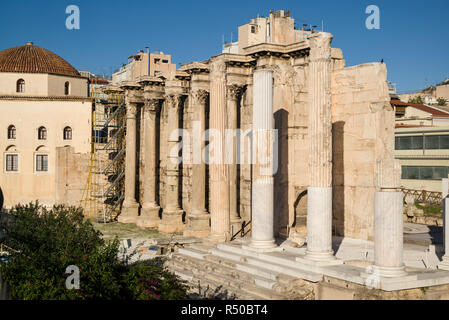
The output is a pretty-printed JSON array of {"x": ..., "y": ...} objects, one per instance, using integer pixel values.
[{"x": 423, "y": 196}]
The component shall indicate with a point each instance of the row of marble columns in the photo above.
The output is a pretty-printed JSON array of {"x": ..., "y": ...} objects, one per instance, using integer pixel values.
[{"x": 223, "y": 177}]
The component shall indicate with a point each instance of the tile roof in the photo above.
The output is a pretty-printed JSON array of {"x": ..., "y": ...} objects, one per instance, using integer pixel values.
[
  {"x": 32, "y": 59},
  {"x": 433, "y": 111}
]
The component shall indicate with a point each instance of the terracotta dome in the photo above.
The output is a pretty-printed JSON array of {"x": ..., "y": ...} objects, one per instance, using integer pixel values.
[{"x": 32, "y": 59}]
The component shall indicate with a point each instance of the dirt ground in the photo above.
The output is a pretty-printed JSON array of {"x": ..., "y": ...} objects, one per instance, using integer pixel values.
[{"x": 127, "y": 231}]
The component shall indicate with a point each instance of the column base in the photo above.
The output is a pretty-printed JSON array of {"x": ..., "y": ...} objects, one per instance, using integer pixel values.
[
  {"x": 218, "y": 238},
  {"x": 388, "y": 272},
  {"x": 319, "y": 258},
  {"x": 198, "y": 225},
  {"x": 149, "y": 217},
  {"x": 171, "y": 221},
  {"x": 444, "y": 264},
  {"x": 261, "y": 245},
  {"x": 129, "y": 213}
]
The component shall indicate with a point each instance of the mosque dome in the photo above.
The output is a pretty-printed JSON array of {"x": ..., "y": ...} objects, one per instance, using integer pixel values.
[{"x": 33, "y": 59}]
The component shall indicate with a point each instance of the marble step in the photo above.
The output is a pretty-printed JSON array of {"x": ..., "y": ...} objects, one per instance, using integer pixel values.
[
  {"x": 192, "y": 252},
  {"x": 280, "y": 268},
  {"x": 217, "y": 264},
  {"x": 211, "y": 285},
  {"x": 277, "y": 264},
  {"x": 261, "y": 287}
]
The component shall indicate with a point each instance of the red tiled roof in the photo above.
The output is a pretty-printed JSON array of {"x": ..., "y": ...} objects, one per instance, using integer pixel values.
[
  {"x": 433, "y": 111},
  {"x": 32, "y": 59}
]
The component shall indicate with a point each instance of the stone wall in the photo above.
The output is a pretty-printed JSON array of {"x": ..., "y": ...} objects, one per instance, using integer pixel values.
[
  {"x": 363, "y": 131},
  {"x": 72, "y": 170}
]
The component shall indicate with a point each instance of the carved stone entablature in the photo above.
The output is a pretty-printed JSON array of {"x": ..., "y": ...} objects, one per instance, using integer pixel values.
[
  {"x": 320, "y": 46},
  {"x": 134, "y": 95},
  {"x": 195, "y": 67},
  {"x": 199, "y": 96},
  {"x": 235, "y": 91}
]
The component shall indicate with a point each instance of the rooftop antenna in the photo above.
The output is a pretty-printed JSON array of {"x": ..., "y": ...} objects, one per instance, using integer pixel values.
[
  {"x": 322, "y": 25},
  {"x": 231, "y": 37},
  {"x": 222, "y": 39}
]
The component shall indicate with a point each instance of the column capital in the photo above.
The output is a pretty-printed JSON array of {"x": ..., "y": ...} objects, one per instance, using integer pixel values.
[
  {"x": 152, "y": 104},
  {"x": 199, "y": 95},
  {"x": 131, "y": 109},
  {"x": 320, "y": 46},
  {"x": 173, "y": 100},
  {"x": 217, "y": 69},
  {"x": 234, "y": 91}
]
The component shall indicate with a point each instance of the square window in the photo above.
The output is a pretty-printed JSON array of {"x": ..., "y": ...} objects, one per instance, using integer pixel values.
[
  {"x": 444, "y": 142},
  {"x": 432, "y": 142},
  {"x": 417, "y": 142},
  {"x": 426, "y": 173}
]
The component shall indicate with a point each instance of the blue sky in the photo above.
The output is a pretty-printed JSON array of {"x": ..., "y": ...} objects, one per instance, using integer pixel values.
[{"x": 413, "y": 39}]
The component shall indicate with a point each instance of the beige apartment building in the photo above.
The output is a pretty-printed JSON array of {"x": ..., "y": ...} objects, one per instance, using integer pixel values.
[
  {"x": 44, "y": 106},
  {"x": 144, "y": 64},
  {"x": 278, "y": 28},
  {"x": 421, "y": 145}
]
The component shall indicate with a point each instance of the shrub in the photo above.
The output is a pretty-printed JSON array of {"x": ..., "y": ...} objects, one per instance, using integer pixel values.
[{"x": 47, "y": 241}]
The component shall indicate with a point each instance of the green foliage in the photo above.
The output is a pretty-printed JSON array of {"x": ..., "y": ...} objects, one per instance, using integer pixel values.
[
  {"x": 48, "y": 241},
  {"x": 430, "y": 209},
  {"x": 416, "y": 100},
  {"x": 441, "y": 102}
]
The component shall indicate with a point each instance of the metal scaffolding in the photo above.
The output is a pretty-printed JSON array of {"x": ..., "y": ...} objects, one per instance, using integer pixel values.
[{"x": 104, "y": 191}]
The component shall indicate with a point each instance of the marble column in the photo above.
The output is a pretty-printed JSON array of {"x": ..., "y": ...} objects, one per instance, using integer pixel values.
[
  {"x": 218, "y": 169},
  {"x": 319, "y": 192},
  {"x": 172, "y": 213},
  {"x": 130, "y": 207},
  {"x": 262, "y": 209},
  {"x": 388, "y": 221},
  {"x": 149, "y": 215},
  {"x": 198, "y": 219},
  {"x": 444, "y": 265},
  {"x": 233, "y": 95}
]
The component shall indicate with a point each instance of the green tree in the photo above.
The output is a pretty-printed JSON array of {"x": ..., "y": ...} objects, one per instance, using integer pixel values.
[
  {"x": 441, "y": 102},
  {"x": 416, "y": 100},
  {"x": 46, "y": 242}
]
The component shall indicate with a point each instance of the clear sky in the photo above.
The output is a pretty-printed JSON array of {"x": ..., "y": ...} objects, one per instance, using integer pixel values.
[{"x": 412, "y": 40}]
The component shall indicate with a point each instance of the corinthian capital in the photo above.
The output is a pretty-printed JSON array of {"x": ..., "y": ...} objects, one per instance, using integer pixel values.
[
  {"x": 320, "y": 46},
  {"x": 199, "y": 96},
  {"x": 217, "y": 70},
  {"x": 131, "y": 109},
  {"x": 173, "y": 100},
  {"x": 234, "y": 91},
  {"x": 152, "y": 104}
]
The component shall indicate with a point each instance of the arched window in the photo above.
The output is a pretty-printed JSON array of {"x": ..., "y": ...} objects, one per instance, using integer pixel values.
[
  {"x": 66, "y": 88},
  {"x": 11, "y": 132},
  {"x": 11, "y": 159},
  {"x": 42, "y": 133},
  {"x": 67, "y": 133},
  {"x": 20, "y": 87}
]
